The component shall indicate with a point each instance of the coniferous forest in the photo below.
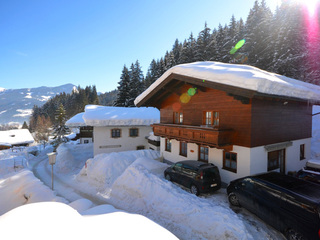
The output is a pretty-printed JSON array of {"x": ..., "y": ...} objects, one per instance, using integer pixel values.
[{"x": 286, "y": 42}]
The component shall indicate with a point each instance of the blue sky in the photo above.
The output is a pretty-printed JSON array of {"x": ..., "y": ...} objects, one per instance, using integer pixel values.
[{"x": 53, "y": 42}]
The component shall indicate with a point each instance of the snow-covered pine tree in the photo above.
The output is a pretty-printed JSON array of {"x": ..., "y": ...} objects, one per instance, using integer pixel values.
[
  {"x": 258, "y": 35},
  {"x": 205, "y": 48},
  {"x": 187, "y": 54},
  {"x": 123, "y": 88},
  {"x": 135, "y": 84},
  {"x": 59, "y": 128}
]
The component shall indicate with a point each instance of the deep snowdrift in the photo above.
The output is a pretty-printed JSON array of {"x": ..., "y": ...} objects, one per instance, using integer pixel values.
[
  {"x": 136, "y": 184},
  {"x": 54, "y": 221}
]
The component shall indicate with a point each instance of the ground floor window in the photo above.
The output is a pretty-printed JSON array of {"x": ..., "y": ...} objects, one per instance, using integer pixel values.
[
  {"x": 276, "y": 160},
  {"x": 168, "y": 145},
  {"x": 203, "y": 153},
  {"x": 302, "y": 156},
  {"x": 230, "y": 161},
  {"x": 183, "y": 149},
  {"x": 140, "y": 147},
  {"x": 115, "y": 133}
]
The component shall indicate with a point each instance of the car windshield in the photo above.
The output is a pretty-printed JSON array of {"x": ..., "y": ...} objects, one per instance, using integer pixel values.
[{"x": 210, "y": 172}]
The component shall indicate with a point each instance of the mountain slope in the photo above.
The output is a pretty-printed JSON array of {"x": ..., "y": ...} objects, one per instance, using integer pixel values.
[{"x": 16, "y": 104}]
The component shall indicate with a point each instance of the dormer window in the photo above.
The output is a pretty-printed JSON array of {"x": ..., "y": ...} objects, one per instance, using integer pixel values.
[{"x": 12, "y": 135}]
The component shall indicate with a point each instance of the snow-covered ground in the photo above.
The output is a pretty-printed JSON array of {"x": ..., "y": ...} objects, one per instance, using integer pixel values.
[{"x": 116, "y": 190}]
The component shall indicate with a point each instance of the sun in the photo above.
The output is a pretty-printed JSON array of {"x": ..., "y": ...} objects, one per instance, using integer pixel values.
[{"x": 311, "y": 5}]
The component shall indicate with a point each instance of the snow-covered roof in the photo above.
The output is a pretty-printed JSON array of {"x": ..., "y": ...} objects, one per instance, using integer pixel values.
[
  {"x": 120, "y": 116},
  {"x": 76, "y": 121},
  {"x": 239, "y": 76},
  {"x": 15, "y": 137}
]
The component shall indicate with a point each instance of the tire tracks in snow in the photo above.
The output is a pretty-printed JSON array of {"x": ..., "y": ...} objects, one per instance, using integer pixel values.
[{"x": 59, "y": 183}]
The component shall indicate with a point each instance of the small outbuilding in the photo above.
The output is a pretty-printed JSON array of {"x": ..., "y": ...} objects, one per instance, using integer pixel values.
[{"x": 15, "y": 138}]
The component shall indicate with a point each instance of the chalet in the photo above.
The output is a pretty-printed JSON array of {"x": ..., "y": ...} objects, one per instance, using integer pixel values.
[
  {"x": 242, "y": 119},
  {"x": 118, "y": 129},
  {"x": 15, "y": 138},
  {"x": 85, "y": 133}
]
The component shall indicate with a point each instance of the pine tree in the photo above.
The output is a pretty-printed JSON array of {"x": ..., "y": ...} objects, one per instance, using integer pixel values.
[
  {"x": 123, "y": 88},
  {"x": 204, "y": 45},
  {"x": 60, "y": 129},
  {"x": 135, "y": 84},
  {"x": 25, "y": 125},
  {"x": 258, "y": 35},
  {"x": 187, "y": 54}
]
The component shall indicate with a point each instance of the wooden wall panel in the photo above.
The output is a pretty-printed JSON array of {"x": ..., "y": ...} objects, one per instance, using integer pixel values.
[
  {"x": 233, "y": 114},
  {"x": 280, "y": 121}
]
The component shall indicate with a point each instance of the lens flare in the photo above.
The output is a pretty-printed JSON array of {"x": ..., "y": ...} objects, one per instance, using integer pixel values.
[
  {"x": 237, "y": 46},
  {"x": 185, "y": 98},
  {"x": 192, "y": 91}
]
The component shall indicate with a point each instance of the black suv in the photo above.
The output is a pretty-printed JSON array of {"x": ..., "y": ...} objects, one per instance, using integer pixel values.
[
  {"x": 198, "y": 176},
  {"x": 289, "y": 204}
]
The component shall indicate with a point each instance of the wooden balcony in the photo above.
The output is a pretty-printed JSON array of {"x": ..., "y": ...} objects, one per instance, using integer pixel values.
[{"x": 213, "y": 137}]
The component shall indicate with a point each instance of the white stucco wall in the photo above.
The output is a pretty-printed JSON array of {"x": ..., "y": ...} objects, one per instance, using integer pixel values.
[
  {"x": 249, "y": 160},
  {"x": 104, "y": 143}
]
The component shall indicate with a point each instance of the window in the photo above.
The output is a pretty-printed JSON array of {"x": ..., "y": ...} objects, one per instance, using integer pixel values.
[
  {"x": 115, "y": 133},
  {"x": 178, "y": 117},
  {"x": 168, "y": 145},
  {"x": 276, "y": 160},
  {"x": 140, "y": 147},
  {"x": 211, "y": 118},
  {"x": 203, "y": 153},
  {"x": 230, "y": 161},
  {"x": 183, "y": 149},
  {"x": 86, "y": 141},
  {"x": 133, "y": 132},
  {"x": 302, "y": 156}
]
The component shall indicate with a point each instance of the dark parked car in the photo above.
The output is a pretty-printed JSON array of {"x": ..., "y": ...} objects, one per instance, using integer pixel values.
[
  {"x": 199, "y": 177},
  {"x": 289, "y": 204}
]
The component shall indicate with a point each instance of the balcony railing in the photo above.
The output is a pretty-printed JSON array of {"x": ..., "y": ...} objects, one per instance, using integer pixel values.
[{"x": 195, "y": 134}]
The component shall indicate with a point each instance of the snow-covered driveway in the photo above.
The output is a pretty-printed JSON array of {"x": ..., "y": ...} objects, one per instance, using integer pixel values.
[{"x": 132, "y": 181}]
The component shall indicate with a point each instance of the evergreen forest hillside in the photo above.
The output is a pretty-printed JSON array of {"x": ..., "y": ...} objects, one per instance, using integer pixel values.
[{"x": 284, "y": 42}]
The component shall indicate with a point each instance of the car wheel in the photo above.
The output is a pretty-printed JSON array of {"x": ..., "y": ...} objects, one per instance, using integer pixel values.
[
  {"x": 233, "y": 200},
  {"x": 294, "y": 235},
  {"x": 167, "y": 176},
  {"x": 194, "y": 190}
]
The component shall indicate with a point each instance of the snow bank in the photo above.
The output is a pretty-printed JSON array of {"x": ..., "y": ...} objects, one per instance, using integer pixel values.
[
  {"x": 315, "y": 141},
  {"x": 71, "y": 157},
  {"x": 120, "y": 116},
  {"x": 12, "y": 164},
  {"x": 21, "y": 188},
  {"x": 54, "y": 221},
  {"x": 104, "y": 169},
  {"x": 188, "y": 216}
]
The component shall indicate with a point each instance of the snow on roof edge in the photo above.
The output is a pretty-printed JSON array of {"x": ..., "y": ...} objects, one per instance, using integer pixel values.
[{"x": 241, "y": 76}]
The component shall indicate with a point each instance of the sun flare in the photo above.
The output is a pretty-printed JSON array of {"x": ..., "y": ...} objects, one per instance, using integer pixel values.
[{"x": 311, "y": 5}]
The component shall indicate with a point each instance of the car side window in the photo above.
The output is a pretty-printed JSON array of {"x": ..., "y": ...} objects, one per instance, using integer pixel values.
[
  {"x": 178, "y": 167},
  {"x": 188, "y": 170},
  {"x": 248, "y": 184}
]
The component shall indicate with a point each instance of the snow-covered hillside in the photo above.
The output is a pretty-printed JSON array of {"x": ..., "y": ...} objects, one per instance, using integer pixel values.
[{"x": 16, "y": 104}]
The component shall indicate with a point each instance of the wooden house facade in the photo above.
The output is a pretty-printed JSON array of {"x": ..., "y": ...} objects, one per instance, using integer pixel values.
[{"x": 241, "y": 130}]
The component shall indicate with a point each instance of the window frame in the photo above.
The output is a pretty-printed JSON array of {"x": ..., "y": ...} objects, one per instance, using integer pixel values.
[
  {"x": 116, "y": 130},
  {"x": 212, "y": 120},
  {"x": 178, "y": 117},
  {"x": 137, "y": 129},
  {"x": 302, "y": 152},
  {"x": 205, "y": 154},
  {"x": 231, "y": 169},
  {"x": 183, "y": 149},
  {"x": 166, "y": 146}
]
